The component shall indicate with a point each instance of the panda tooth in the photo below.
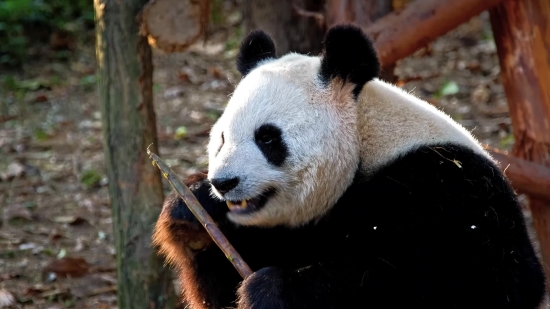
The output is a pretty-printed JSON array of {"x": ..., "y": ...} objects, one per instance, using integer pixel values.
[{"x": 241, "y": 205}]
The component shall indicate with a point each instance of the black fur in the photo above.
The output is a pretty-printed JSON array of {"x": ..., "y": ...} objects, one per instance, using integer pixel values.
[
  {"x": 201, "y": 190},
  {"x": 256, "y": 47},
  {"x": 439, "y": 227},
  {"x": 350, "y": 55},
  {"x": 269, "y": 139}
]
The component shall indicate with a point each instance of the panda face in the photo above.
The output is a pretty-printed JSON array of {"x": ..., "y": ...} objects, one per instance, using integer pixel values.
[{"x": 285, "y": 148}]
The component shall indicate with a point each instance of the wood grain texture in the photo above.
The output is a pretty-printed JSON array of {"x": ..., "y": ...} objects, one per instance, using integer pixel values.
[{"x": 522, "y": 35}]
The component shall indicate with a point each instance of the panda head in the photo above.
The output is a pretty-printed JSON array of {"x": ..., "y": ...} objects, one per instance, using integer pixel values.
[{"x": 286, "y": 147}]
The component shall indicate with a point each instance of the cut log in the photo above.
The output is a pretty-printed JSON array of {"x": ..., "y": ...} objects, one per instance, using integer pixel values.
[
  {"x": 401, "y": 33},
  {"x": 174, "y": 25},
  {"x": 522, "y": 35}
]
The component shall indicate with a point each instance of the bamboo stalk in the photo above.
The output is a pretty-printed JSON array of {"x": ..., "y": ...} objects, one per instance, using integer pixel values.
[{"x": 211, "y": 227}]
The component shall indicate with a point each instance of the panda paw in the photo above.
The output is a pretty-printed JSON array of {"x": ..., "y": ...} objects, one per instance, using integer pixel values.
[
  {"x": 178, "y": 225},
  {"x": 264, "y": 289}
]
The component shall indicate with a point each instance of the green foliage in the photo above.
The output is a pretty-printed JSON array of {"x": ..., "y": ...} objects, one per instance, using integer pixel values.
[
  {"x": 447, "y": 88},
  {"x": 507, "y": 141},
  {"x": 88, "y": 81},
  {"x": 216, "y": 11},
  {"x": 19, "y": 19},
  {"x": 90, "y": 178},
  {"x": 181, "y": 132},
  {"x": 40, "y": 135},
  {"x": 234, "y": 39}
]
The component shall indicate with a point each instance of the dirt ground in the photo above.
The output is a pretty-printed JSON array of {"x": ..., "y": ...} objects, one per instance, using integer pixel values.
[{"x": 56, "y": 243}]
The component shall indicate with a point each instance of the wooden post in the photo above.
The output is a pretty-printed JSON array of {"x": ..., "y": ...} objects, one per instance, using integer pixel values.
[
  {"x": 129, "y": 126},
  {"x": 522, "y": 35}
]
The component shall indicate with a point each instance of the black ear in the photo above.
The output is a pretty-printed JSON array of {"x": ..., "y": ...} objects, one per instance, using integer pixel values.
[
  {"x": 350, "y": 55},
  {"x": 257, "y": 46}
]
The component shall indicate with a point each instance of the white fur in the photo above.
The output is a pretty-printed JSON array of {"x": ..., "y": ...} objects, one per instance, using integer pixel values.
[
  {"x": 393, "y": 122},
  {"x": 326, "y": 133},
  {"x": 320, "y": 136}
]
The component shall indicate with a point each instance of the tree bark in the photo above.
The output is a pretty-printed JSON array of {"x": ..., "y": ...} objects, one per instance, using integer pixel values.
[
  {"x": 292, "y": 30},
  {"x": 129, "y": 126},
  {"x": 522, "y": 35}
]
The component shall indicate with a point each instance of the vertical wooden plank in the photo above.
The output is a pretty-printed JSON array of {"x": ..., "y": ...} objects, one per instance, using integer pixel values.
[
  {"x": 522, "y": 35},
  {"x": 129, "y": 126}
]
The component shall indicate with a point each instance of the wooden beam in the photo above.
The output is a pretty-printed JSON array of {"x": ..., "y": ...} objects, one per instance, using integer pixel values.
[
  {"x": 399, "y": 34},
  {"x": 522, "y": 35},
  {"x": 526, "y": 177}
]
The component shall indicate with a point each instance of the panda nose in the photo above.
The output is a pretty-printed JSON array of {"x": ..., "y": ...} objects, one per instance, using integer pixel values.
[{"x": 224, "y": 185}]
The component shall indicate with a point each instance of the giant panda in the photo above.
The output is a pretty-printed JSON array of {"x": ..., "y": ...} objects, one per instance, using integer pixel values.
[{"x": 343, "y": 191}]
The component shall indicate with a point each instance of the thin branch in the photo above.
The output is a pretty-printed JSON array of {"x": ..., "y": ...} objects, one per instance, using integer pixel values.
[{"x": 183, "y": 191}]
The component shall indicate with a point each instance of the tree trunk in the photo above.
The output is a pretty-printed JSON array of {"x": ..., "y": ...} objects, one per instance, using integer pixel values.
[
  {"x": 292, "y": 31},
  {"x": 129, "y": 126},
  {"x": 522, "y": 34},
  {"x": 362, "y": 13}
]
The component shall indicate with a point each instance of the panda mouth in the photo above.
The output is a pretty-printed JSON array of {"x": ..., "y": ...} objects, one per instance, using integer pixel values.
[{"x": 250, "y": 205}]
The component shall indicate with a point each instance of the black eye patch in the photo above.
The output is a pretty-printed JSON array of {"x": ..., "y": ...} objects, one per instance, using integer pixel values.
[{"x": 269, "y": 139}]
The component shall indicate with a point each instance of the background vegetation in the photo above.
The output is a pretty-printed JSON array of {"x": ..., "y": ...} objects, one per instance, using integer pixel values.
[{"x": 26, "y": 23}]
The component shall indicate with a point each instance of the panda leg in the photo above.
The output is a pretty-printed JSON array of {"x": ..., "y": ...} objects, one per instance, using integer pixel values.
[{"x": 208, "y": 280}]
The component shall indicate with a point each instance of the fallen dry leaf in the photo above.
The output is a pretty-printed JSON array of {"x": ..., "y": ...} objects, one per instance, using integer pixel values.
[
  {"x": 188, "y": 75},
  {"x": 40, "y": 98},
  {"x": 35, "y": 290},
  {"x": 106, "y": 289},
  {"x": 67, "y": 267},
  {"x": 8, "y": 276},
  {"x": 6, "y": 299},
  {"x": 174, "y": 92},
  {"x": 480, "y": 94},
  {"x": 79, "y": 245},
  {"x": 17, "y": 211},
  {"x": 215, "y": 72},
  {"x": 71, "y": 220},
  {"x": 54, "y": 235},
  {"x": 15, "y": 169}
]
